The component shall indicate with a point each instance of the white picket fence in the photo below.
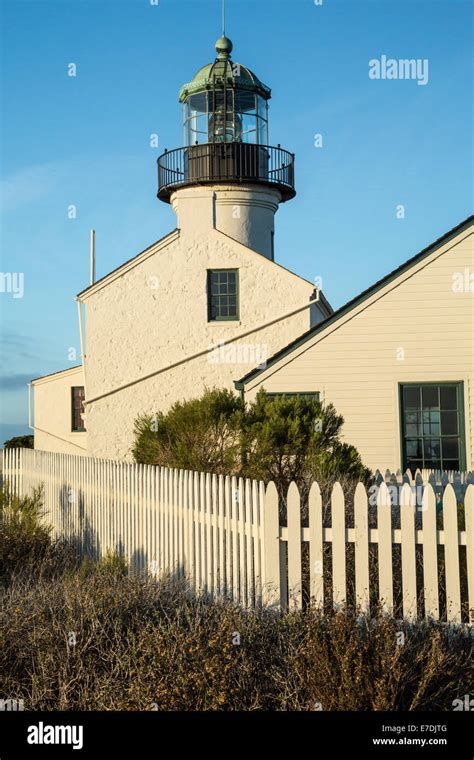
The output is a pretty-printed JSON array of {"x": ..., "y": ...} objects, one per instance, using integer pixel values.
[
  {"x": 223, "y": 534},
  {"x": 439, "y": 479}
]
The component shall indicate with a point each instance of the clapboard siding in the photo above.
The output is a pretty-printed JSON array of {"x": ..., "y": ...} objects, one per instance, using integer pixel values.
[{"x": 355, "y": 362}]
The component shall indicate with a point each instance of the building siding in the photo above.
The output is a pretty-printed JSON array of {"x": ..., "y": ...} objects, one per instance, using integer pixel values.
[
  {"x": 355, "y": 363},
  {"x": 52, "y": 413}
]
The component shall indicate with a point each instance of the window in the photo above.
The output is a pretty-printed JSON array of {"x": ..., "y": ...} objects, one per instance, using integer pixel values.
[
  {"x": 311, "y": 394},
  {"x": 78, "y": 396},
  {"x": 222, "y": 294},
  {"x": 432, "y": 426}
]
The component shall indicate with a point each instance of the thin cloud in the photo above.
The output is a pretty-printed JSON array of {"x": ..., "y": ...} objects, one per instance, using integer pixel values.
[{"x": 14, "y": 382}]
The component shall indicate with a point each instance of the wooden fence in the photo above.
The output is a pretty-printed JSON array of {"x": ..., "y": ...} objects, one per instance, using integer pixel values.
[{"x": 232, "y": 538}]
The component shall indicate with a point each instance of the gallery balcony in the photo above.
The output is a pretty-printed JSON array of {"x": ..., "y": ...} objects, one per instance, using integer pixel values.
[{"x": 226, "y": 162}]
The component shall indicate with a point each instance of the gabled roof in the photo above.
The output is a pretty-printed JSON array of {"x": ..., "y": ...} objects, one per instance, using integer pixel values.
[
  {"x": 59, "y": 372},
  {"x": 162, "y": 243},
  {"x": 354, "y": 302}
]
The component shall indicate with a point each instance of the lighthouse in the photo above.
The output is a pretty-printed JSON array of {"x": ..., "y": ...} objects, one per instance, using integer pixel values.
[{"x": 226, "y": 175}]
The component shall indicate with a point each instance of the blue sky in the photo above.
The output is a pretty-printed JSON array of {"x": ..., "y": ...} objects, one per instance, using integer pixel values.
[{"x": 85, "y": 141}]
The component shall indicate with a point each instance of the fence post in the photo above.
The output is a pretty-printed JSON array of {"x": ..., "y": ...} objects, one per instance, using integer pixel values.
[{"x": 271, "y": 591}]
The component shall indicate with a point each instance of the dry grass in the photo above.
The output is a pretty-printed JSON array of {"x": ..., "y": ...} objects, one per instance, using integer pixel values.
[
  {"x": 142, "y": 644},
  {"x": 91, "y": 637}
]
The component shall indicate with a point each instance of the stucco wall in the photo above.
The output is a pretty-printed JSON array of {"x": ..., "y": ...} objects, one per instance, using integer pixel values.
[
  {"x": 155, "y": 314},
  {"x": 52, "y": 413},
  {"x": 416, "y": 329},
  {"x": 244, "y": 212}
]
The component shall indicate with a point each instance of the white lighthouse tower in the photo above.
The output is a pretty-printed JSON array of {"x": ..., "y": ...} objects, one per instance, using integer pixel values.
[{"x": 226, "y": 175}]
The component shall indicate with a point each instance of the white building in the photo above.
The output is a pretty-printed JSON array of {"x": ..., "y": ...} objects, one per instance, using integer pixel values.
[
  {"x": 397, "y": 361},
  {"x": 204, "y": 304}
]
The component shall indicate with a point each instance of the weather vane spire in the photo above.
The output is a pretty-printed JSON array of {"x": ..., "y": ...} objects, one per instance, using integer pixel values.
[{"x": 223, "y": 18}]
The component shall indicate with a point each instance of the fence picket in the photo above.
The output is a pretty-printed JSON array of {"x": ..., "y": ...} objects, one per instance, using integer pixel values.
[
  {"x": 235, "y": 537},
  {"x": 451, "y": 555},
  {"x": 430, "y": 554},
  {"x": 469, "y": 516},
  {"x": 407, "y": 522},
  {"x": 224, "y": 534},
  {"x": 316, "y": 568},
  {"x": 294, "y": 547},
  {"x": 338, "y": 545},
  {"x": 361, "y": 530},
  {"x": 249, "y": 519},
  {"x": 271, "y": 548},
  {"x": 384, "y": 532}
]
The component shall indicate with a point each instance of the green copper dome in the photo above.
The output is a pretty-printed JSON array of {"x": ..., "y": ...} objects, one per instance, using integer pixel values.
[{"x": 223, "y": 72}]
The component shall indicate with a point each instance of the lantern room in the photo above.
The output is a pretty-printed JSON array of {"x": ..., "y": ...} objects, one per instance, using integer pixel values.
[
  {"x": 225, "y": 132},
  {"x": 225, "y": 102}
]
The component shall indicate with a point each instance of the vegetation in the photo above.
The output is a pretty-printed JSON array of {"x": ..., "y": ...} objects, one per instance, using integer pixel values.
[
  {"x": 89, "y": 636},
  {"x": 201, "y": 434},
  {"x": 25, "y": 544},
  {"x": 281, "y": 439},
  {"x": 20, "y": 442}
]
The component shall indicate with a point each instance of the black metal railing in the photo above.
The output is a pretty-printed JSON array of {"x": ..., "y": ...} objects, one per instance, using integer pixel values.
[{"x": 226, "y": 162}]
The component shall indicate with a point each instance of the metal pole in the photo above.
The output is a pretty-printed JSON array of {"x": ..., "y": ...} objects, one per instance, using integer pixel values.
[
  {"x": 30, "y": 416},
  {"x": 92, "y": 256}
]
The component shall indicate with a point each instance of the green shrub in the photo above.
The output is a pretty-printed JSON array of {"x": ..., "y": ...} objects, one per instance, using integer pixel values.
[
  {"x": 296, "y": 438},
  {"x": 281, "y": 439},
  {"x": 20, "y": 442},
  {"x": 111, "y": 563},
  {"x": 200, "y": 434},
  {"x": 26, "y": 546}
]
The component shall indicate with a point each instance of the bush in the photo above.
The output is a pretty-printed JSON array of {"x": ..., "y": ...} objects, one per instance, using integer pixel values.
[
  {"x": 200, "y": 435},
  {"x": 297, "y": 438},
  {"x": 91, "y": 637},
  {"x": 111, "y": 564},
  {"x": 25, "y": 541},
  {"x": 112, "y": 642},
  {"x": 281, "y": 439},
  {"x": 20, "y": 442}
]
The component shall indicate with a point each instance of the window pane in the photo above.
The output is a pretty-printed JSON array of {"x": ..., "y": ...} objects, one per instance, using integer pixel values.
[
  {"x": 432, "y": 464},
  {"x": 451, "y": 464},
  {"x": 449, "y": 423},
  {"x": 450, "y": 448},
  {"x": 430, "y": 396},
  {"x": 448, "y": 397},
  {"x": 411, "y": 397},
  {"x": 432, "y": 448},
  {"x": 414, "y": 447}
]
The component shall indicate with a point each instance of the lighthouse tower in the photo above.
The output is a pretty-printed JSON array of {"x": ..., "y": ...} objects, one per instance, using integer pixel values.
[{"x": 227, "y": 176}]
